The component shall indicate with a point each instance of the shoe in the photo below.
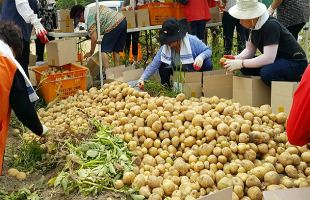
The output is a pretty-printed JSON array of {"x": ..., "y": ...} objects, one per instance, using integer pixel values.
[{"x": 136, "y": 64}]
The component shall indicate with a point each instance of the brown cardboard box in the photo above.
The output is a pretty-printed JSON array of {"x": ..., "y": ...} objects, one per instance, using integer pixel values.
[
  {"x": 187, "y": 77},
  {"x": 63, "y": 14},
  {"x": 130, "y": 75},
  {"x": 218, "y": 83},
  {"x": 189, "y": 83},
  {"x": 224, "y": 194},
  {"x": 142, "y": 18},
  {"x": 131, "y": 18},
  {"x": 282, "y": 94},
  {"x": 93, "y": 64},
  {"x": 66, "y": 26},
  {"x": 110, "y": 71},
  {"x": 61, "y": 52},
  {"x": 287, "y": 194},
  {"x": 32, "y": 75},
  {"x": 250, "y": 90},
  {"x": 216, "y": 15},
  {"x": 32, "y": 59}
]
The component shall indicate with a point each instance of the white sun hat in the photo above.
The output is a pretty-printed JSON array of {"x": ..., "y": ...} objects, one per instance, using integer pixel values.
[{"x": 247, "y": 9}]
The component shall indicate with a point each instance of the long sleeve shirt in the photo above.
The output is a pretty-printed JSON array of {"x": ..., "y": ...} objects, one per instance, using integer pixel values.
[
  {"x": 198, "y": 49},
  {"x": 26, "y": 12}
]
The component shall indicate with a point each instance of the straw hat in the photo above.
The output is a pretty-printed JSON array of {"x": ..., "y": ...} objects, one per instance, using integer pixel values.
[
  {"x": 247, "y": 9},
  {"x": 173, "y": 30}
]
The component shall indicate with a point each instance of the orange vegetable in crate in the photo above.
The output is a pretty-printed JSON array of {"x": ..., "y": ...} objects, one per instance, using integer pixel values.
[{"x": 63, "y": 84}]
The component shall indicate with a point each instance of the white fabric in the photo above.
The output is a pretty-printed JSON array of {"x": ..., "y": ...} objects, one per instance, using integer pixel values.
[
  {"x": 186, "y": 55},
  {"x": 128, "y": 8},
  {"x": 247, "y": 9},
  {"x": 261, "y": 21},
  {"x": 26, "y": 12},
  {"x": 86, "y": 11},
  {"x": 38, "y": 28},
  {"x": 232, "y": 65},
  {"x": 270, "y": 10},
  {"x": 45, "y": 129},
  {"x": 268, "y": 57},
  {"x": 7, "y": 52},
  {"x": 198, "y": 61},
  {"x": 141, "y": 82}
]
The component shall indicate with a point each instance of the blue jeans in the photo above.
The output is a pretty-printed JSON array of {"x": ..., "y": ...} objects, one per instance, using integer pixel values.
[
  {"x": 229, "y": 23},
  {"x": 198, "y": 28},
  {"x": 280, "y": 70},
  {"x": 166, "y": 72}
]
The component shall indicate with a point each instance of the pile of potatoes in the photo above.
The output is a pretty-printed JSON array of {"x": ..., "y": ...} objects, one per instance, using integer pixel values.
[
  {"x": 188, "y": 148},
  {"x": 56, "y": 70},
  {"x": 17, "y": 174}
]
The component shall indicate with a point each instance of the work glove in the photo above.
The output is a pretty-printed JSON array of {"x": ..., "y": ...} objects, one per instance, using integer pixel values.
[
  {"x": 270, "y": 10},
  {"x": 198, "y": 63},
  {"x": 40, "y": 32},
  {"x": 128, "y": 8},
  {"x": 45, "y": 130},
  {"x": 229, "y": 57},
  {"x": 232, "y": 65},
  {"x": 141, "y": 83}
]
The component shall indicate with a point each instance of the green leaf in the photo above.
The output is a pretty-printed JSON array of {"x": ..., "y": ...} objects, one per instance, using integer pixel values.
[
  {"x": 137, "y": 197},
  {"x": 59, "y": 178},
  {"x": 83, "y": 147},
  {"x": 112, "y": 169},
  {"x": 92, "y": 153},
  {"x": 41, "y": 181}
]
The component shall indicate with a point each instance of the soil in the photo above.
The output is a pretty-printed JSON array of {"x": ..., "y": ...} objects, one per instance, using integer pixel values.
[{"x": 10, "y": 184}]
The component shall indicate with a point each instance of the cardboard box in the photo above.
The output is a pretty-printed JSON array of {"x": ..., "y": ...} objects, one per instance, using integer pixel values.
[
  {"x": 32, "y": 59},
  {"x": 187, "y": 77},
  {"x": 282, "y": 94},
  {"x": 116, "y": 72},
  {"x": 130, "y": 18},
  {"x": 66, "y": 26},
  {"x": 216, "y": 15},
  {"x": 218, "y": 83},
  {"x": 93, "y": 64},
  {"x": 190, "y": 83},
  {"x": 142, "y": 18},
  {"x": 61, "y": 52},
  {"x": 251, "y": 90},
  {"x": 130, "y": 75},
  {"x": 288, "y": 194},
  {"x": 32, "y": 75},
  {"x": 224, "y": 194},
  {"x": 63, "y": 14}
]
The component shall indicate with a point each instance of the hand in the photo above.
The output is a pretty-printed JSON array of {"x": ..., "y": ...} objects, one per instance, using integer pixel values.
[
  {"x": 40, "y": 32},
  {"x": 128, "y": 8},
  {"x": 141, "y": 83},
  {"x": 232, "y": 65},
  {"x": 88, "y": 55},
  {"x": 229, "y": 57},
  {"x": 270, "y": 10},
  {"x": 45, "y": 131},
  {"x": 198, "y": 63}
]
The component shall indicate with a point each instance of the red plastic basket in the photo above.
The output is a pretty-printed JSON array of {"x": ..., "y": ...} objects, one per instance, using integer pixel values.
[
  {"x": 56, "y": 84},
  {"x": 178, "y": 11}
]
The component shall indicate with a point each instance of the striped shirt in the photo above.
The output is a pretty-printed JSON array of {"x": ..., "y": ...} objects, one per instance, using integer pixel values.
[{"x": 109, "y": 19}]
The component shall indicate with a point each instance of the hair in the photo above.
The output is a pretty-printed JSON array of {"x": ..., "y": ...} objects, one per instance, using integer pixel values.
[
  {"x": 76, "y": 9},
  {"x": 12, "y": 35}
]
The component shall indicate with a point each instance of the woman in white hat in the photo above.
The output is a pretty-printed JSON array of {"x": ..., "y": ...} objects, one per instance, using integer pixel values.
[
  {"x": 177, "y": 47},
  {"x": 281, "y": 59}
]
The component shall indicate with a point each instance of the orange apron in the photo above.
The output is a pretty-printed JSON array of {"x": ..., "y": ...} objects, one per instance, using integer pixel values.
[{"x": 7, "y": 72}]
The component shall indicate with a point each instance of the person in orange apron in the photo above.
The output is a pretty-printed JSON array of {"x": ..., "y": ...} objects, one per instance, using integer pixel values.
[{"x": 16, "y": 91}]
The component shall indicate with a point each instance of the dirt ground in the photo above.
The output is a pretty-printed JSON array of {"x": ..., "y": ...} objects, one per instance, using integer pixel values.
[{"x": 10, "y": 184}]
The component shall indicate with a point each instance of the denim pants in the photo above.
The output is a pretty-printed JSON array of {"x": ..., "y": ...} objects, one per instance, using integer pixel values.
[
  {"x": 165, "y": 72},
  {"x": 229, "y": 23},
  {"x": 198, "y": 28},
  {"x": 280, "y": 70}
]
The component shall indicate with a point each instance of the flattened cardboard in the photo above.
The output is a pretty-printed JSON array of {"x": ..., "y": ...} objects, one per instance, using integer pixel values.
[
  {"x": 130, "y": 18},
  {"x": 142, "y": 18},
  {"x": 251, "y": 90},
  {"x": 282, "y": 94},
  {"x": 63, "y": 14},
  {"x": 224, "y": 194},
  {"x": 66, "y": 26},
  {"x": 61, "y": 52},
  {"x": 93, "y": 64},
  {"x": 110, "y": 71},
  {"x": 218, "y": 83},
  {"x": 32, "y": 75},
  {"x": 288, "y": 194},
  {"x": 119, "y": 73},
  {"x": 32, "y": 59},
  {"x": 132, "y": 75}
]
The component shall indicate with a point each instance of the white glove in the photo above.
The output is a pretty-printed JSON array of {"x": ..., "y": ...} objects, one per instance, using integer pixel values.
[
  {"x": 198, "y": 61},
  {"x": 128, "y": 8},
  {"x": 141, "y": 83},
  {"x": 232, "y": 65},
  {"x": 39, "y": 29},
  {"x": 270, "y": 10},
  {"x": 45, "y": 129}
]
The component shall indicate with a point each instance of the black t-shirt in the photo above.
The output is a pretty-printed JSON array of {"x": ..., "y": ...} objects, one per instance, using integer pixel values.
[{"x": 273, "y": 32}]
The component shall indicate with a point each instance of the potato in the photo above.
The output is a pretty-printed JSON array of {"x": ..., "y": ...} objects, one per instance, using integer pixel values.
[
  {"x": 145, "y": 191},
  {"x": 128, "y": 178},
  {"x": 239, "y": 191},
  {"x": 118, "y": 184},
  {"x": 255, "y": 193},
  {"x": 252, "y": 181},
  {"x": 12, "y": 172},
  {"x": 287, "y": 182},
  {"x": 291, "y": 171},
  {"x": 205, "y": 181},
  {"x": 272, "y": 178},
  {"x": 223, "y": 129},
  {"x": 20, "y": 176},
  {"x": 224, "y": 183},
  {"x": 139, "y": 181},
  {"x": 168, "y": 186},
  {"x": 180, "y": 166}
]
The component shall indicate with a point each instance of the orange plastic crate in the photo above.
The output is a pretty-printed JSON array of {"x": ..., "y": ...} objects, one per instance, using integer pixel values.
[
  {"x": 55, "y": 85},
  {"x": 178, "y": 11},
  {"x": 158, "y": 12}
]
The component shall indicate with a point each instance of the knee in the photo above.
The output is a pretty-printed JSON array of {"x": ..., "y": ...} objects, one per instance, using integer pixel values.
[{"x": 266, "y": 76}]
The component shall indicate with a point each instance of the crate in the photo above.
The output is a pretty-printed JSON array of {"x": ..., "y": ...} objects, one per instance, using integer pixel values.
[
  {"x": 55, "y": 85},
  {"x": 158, "y": 12},
  {"x": 178, "y": 11}
]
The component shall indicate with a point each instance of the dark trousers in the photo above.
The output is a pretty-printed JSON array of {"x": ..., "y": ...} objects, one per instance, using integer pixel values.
[
  {"x": 40, "y": 47},
  {"x": 132, "y": 38},
  {"x": 198, "y": 28},
  {"x": 24, "y": 58},
  {"x": 229, "y": 23},
  {"x": 280, "y": 70},
  {"x": 295, "y": 29},
  {"x": 166, "y": 72}
]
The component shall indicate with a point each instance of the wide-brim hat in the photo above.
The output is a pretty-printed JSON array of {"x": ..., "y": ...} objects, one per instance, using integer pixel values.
[
  {"x": 247, "y": 9},
  {"x": 173, "y": 30}
]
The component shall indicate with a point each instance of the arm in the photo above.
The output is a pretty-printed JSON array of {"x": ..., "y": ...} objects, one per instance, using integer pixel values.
[
  {"x": 153, "y": 66},
  {"x": 26, "y": 12},
  {"x": 126, "y": 6},
  {"x": 298, "y": 129},
  {"x": 268, "y": 57},
  {"x": 93, "y": 42},
  {"x": 248, "y": 52},
  {"x": 274, "y": 6},
  {"x": 199, "y": 48}
]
